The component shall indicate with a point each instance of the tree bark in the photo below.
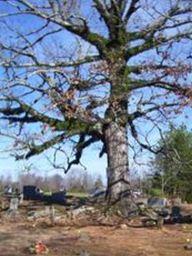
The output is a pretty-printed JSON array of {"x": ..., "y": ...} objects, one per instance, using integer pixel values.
[{"x": 118, "y": 187}]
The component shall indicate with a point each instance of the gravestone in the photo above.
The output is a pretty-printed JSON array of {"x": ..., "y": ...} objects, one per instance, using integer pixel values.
[
  {"x": 176, "y": 214},
  {"x": 14, "y": 204},
  {"x": 50, "y": 211},
  {"x": 13, "y": 208},
  {"x": 156, "y": 202},
  {"x": 21, "y": 198}
]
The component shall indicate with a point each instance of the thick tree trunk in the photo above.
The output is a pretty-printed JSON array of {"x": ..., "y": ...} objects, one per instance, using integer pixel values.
[{"x": 118, "y": 189}]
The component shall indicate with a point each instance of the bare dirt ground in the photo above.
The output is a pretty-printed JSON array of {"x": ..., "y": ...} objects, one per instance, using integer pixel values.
[
  {"x": 15, "y": 238},
  {"x": 16, "y": 235}
]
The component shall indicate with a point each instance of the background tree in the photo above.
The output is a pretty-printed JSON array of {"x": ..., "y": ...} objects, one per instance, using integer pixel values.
[
  {"x": 98, "y": 185},
  {"x": 75, "y": 181},
  {"x": 173, "y": 166},
  {"x": 109, "y": 67}
]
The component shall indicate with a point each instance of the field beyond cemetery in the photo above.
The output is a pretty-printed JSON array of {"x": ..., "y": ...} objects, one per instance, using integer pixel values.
[{"x": 79, "y": 237}]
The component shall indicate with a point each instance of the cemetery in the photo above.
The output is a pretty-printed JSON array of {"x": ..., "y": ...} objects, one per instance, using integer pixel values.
[
  {"x": 35, "y": 226},
  {"x": 95, "y": 127}
]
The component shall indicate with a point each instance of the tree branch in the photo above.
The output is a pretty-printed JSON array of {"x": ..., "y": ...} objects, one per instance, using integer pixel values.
[
  {"x": 81, "y": 30},
  {"x": 38, "y": 149},
  {"x": 80, "y": 146}
]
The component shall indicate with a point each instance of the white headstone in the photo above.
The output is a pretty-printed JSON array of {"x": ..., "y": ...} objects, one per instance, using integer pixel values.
[{"x": 14, "y": 203}]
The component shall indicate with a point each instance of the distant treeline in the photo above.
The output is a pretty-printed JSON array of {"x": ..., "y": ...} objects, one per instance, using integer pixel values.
[{"x": 74, "y": 181}]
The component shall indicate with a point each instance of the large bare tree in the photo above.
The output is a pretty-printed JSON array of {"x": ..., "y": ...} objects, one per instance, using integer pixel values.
[{"x": 93, "y": 71}]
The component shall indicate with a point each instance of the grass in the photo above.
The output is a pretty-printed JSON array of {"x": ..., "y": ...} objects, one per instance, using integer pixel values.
[{"x": 78, "y": 194}]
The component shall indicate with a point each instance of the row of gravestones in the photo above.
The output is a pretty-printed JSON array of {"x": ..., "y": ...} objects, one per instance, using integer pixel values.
[{"x": 16, "y": 201}]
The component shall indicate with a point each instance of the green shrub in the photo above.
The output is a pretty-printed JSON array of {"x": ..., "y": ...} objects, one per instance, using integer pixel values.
[{"x": 155, "y": 192}]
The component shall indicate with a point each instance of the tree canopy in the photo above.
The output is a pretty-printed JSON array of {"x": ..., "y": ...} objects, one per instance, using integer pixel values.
[
  {"x": 173, "y": 166},
  {"x": 87, "y": 72}
]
